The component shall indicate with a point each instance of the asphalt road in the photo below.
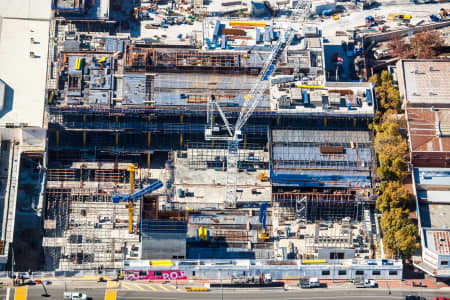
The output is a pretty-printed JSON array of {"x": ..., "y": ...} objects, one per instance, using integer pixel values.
[{"x": 97, "y": 293}]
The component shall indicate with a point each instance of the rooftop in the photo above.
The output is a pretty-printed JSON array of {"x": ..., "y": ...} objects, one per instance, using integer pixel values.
[
  {"x": 429, "y": 129},
  {"x": 432, "y": 176},
  {"x": 29, "y": 9},
  {"x": 24, "y": 46},
  {"x": 435, "y": 215},
  {"x": 437, "y": 241},
  {"x": 424, "y": 82}
]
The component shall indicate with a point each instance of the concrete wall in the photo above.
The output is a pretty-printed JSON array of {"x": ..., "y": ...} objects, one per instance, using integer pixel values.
[
  {"x": 163, "y": 245},
  {"x": 325, "y": 253}
]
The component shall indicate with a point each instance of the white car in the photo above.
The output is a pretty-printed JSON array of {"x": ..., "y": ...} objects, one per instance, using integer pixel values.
[
  {"x": 367, "y": 284},
  {"x": 75, "y": 296}
]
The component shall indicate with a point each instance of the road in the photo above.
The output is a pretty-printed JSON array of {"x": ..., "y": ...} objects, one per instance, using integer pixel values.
[{"x": 100, "y": 292}]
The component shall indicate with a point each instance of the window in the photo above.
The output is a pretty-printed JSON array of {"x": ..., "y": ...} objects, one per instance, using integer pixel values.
[
  {"x": 376, "y": 273},
  {"x": 157, "y": 273},
  {"x": 325, "y": 272},
  {"x": 392, "y": 272},
  {"x": 359, "y": 272},
  {"x": 444, "y": 262},
  {"x": 142, "y": 273},
  {"x": 342, "y": 272}
]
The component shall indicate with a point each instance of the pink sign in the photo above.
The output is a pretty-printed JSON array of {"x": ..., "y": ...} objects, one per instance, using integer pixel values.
[{"x": 155, "y": 275}]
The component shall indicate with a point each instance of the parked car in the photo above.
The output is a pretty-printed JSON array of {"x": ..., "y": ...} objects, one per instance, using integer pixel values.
[
  {"x": 366, "y": 284},
  {"x": 75, "y": 296},
  {"x": 309, "y": 283}
]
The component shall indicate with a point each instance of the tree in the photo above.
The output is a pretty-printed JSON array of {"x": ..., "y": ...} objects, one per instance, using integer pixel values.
[
  {"x": 423, "y": 45},
  {"x": 387, "y": 94},
  {"x": 393, "y": 196},
  {"x": 394, "y": 219},
  {"x": 399, "y": 235},
  {"x": 406, "y": 241},
  {"x": 399, "y": 48},
  {"x": 426, "y": 44}
]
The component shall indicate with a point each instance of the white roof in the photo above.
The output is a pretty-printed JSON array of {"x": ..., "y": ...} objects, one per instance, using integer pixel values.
[
  {"x": 24, "y": 76},
  {"x": 28, "y": 9}
]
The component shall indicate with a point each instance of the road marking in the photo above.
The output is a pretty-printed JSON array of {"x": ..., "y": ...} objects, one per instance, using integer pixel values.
[
  {"x": 7, "y": 293},
  {"x": 139, "y": 287},
  {"x": 110, "y": 294},
  {"x": 21, "y": 293},
  {"x": 112, "y": 284},
  {"x": 164, "y": 288},
  {"x": 174, "y": 287},
  {"x": 53, "y": 278},
  {"x": 126, "y": 286},
  {"x": 151, "y": 287}
]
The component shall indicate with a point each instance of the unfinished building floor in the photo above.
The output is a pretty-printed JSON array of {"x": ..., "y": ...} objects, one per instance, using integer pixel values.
[{"x": 208, "y": 186}]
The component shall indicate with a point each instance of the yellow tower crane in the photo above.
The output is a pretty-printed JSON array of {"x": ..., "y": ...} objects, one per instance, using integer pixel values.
[{"x": 132, "y": 169}]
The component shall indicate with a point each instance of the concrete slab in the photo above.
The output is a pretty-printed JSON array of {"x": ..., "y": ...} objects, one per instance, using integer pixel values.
[{"x": 208, "y": 185}]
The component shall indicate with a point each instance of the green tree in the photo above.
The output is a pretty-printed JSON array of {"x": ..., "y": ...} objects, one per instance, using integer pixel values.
[
  {"x": 387, "y": 94},
  {"x": 399, "y": 235},
  {"x": 393, "y": 196},
  {"x": 406, "y": 241}
]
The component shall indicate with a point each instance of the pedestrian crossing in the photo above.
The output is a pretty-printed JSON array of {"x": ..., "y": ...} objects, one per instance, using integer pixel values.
[{"x": 153, "y": 287}]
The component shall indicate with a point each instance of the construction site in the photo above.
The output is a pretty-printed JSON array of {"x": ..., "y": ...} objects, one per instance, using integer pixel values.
[
  {"x": 238, "y": 138},
  {"x": 145, "y": 162}
]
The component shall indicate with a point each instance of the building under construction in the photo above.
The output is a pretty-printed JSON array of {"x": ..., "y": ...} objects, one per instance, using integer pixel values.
[{"x": 123, "y": 115}]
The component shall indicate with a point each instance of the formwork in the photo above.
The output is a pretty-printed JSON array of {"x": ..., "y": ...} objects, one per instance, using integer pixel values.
[{"x": 154, "y": 60}]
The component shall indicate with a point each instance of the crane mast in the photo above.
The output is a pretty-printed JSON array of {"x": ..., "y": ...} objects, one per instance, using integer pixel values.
[{"x": 251, "y": 101}]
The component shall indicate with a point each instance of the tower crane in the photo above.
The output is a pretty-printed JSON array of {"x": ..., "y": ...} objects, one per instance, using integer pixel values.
[
  {"x": 251, "y": 101},
  {"x": 134, "y": 195}
]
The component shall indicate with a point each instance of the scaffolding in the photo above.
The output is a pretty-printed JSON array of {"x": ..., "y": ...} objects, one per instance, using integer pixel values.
[
  {"x": 83, "y": 230},
  {"x": 314, "y": 206},
  {"x": 203, "y": 156}
]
